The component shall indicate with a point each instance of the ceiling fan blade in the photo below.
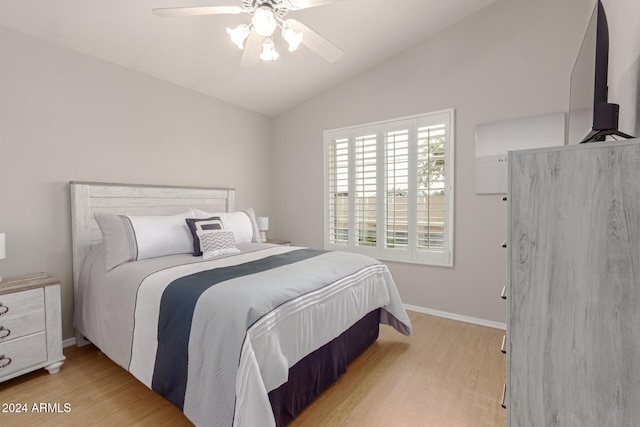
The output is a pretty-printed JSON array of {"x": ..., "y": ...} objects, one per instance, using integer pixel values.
[
  {"x": 316, "y": 42},
  {"x": 252, "y": 49},
  {"x": 170, "y": 12},
  {"x": 305, "y": 4}
]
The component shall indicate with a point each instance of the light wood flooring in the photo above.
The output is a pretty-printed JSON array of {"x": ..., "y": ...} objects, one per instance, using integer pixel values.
[{"x": 447, "y": 373}]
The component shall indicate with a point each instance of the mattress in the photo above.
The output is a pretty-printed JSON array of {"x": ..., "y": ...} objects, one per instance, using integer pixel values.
[{"x": 215, "y": 337}]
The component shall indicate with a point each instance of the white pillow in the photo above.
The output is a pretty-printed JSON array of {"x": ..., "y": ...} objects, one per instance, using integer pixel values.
[
  {"x": 130, "y": 238},
  {"x": 214, "y": 243},
  {"x": 243, "y": 223}
]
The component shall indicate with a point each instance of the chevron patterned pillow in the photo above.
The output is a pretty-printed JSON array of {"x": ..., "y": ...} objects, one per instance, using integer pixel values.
[{"x": 214, "y": 243}]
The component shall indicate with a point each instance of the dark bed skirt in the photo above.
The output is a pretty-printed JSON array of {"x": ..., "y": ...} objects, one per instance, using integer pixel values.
[{"x": 312, "y": 375}]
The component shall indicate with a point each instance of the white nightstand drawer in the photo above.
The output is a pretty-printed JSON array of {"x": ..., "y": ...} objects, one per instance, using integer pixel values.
[
  {"x": 30, "y": 323},
  {"x": 21, "y": 314},
  {"x": 22, "y": 353}
]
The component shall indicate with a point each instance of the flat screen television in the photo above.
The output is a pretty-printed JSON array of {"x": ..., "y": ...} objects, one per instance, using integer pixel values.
[{"x": 591, "y": 117}]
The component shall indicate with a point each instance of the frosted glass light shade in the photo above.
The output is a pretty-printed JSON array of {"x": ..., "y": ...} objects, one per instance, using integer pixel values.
[
  {"x": 269, "y": 52},
  {"x": 292, "y": 37},
  {"x": 264, "y": 22},
  {"x": 239, "y": 34}
]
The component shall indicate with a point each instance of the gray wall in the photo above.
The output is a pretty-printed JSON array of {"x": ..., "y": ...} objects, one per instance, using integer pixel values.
[
  {"x": 513, "y": 59},
  {"x": 66, "y": 116}
]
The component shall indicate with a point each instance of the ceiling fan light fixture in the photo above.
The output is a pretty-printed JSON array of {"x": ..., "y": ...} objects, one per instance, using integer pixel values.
[
  {"x": 264, "y": 21},
  {"x": 239, "y": 34},
  {"x": 266, "y": 17},
  {"x": 269, "y": 52},
  {"x": 292, "y": 37}
]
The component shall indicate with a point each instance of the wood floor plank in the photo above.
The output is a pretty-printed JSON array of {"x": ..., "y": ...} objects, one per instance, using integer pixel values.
[{"x": 447, "y": 373}]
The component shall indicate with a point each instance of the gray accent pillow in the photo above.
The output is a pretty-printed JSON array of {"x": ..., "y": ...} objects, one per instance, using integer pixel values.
[{"x": 217, "y": 242}]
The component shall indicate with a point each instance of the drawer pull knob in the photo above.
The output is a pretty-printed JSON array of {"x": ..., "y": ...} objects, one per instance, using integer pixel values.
[
  {"x": 4, "y": 361},
  {"x": 3, "y": 309},
  {"x": 4, "y": 332}
]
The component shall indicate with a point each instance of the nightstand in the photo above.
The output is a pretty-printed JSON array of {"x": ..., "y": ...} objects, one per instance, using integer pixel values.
[
  {"x": 279, "y": 242},
  {"x": 30, "y": 325}
]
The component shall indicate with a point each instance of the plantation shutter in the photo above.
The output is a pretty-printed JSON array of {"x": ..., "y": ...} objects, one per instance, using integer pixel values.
[
  {"x": 365, "y": 189},
  {"x": 396, "y": 188},
  {"x": 389, "y": 190},
  {"x": 430, "y": 197},
  {"x": 338, "y": 173}
]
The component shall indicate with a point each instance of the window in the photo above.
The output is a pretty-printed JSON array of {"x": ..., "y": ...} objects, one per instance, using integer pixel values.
[{"x": 389, "y": 189}]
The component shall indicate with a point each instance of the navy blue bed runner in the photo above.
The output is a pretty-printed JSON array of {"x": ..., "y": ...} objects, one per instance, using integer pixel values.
[{"x": 176, "y": 312}]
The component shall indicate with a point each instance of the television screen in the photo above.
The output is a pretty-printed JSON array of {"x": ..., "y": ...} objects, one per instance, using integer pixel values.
[
  {"x": 581, "y": 95},
  {"x": 591, "y": 117}
]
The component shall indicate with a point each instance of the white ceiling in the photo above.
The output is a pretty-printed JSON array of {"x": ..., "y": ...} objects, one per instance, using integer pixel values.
[{"x": 196, "y": 53}]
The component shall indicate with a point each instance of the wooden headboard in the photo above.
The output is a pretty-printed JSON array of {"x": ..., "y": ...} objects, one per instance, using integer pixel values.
[{"x": 88, "y": 198}]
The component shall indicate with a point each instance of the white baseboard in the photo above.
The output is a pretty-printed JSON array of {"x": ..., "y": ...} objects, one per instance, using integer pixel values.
[
  {"x": 453, "y": 316},
  {"x": 69, "y": 342}
]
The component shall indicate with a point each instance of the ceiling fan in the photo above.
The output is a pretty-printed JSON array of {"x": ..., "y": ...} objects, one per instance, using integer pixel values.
[{"x": 256, "y": 38}]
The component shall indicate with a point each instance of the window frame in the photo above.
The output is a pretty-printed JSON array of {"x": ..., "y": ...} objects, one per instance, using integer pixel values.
[{"x": 410, "y": 254}]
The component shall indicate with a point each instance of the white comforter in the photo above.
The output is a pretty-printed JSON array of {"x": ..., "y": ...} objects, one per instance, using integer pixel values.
[{"x": 231, "y": 368}]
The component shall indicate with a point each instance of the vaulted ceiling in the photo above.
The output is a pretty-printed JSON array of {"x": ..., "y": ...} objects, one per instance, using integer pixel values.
[{"x": 196, "y": 52}]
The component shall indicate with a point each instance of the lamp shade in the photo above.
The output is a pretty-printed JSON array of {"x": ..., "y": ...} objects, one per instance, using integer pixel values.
[
  {"x": 264, "y": 22},
  {"x": 269, "y": 52},
  {"x": 3, "y": 252},
  {"x": 263, "y": 223},
  {"x": 239, "y": 34},
  {"x": 292, "y": 37}
]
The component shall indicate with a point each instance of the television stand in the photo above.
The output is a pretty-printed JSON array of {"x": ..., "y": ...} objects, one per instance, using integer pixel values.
[{"x": 601, "y": 135}]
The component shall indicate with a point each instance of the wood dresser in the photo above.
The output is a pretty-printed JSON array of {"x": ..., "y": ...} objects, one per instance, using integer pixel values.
[
  {"x": 30, "y": 325},
  {"x": 573, "y": 330}
]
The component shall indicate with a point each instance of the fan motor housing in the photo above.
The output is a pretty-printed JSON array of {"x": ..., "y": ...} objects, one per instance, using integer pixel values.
[{"x": 278, "y": 6}]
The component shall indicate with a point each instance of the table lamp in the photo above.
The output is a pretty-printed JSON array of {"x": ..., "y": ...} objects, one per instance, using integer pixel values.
[{"x": 263, "y": 226}]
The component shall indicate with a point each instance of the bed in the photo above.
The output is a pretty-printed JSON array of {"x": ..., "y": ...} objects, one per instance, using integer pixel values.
[{"x": 244, "y": 334}]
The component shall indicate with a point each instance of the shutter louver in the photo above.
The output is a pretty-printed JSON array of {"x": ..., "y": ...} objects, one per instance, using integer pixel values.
[
  {"x": 431, "y": 188},
  {"x": 397, "y": 189},
  {"x": 338, "y": 165},
  {"x": 366, "y": 189}
]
